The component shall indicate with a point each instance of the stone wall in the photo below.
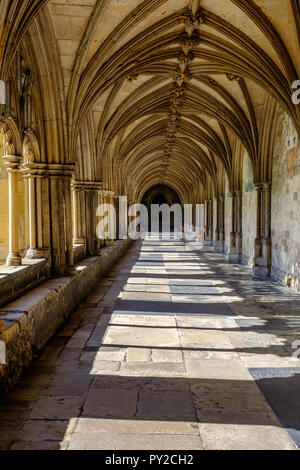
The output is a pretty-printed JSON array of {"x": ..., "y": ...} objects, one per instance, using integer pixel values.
[
  {"x": 28, "y": 323},
  {"x": 249, "y": 212},
  {"x": 286, "y": 204}
]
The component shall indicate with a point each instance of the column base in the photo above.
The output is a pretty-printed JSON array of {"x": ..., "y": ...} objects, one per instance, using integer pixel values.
[
  {"x": 37, "y": 253},
  {"x": 14, "y": 259},
  {"x": 109, "y": 243},
  {"x": 234, "y": 258},
  {"x": 72, "y": 271},
  {"x": 219, "y": 246},
  {"x": 261, "y": 269},
  {"x": 78, "y": 241}
]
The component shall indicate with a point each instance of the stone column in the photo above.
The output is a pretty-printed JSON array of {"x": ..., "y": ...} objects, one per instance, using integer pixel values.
[
  {"x": 77, "y": 197},
  {"x": 109, "y": 199},
  {"x": 69, "y": 225},
  {"x": 117, "y": 209},
  {"x": 220, "y": 238},
  {"x": 236, "y": 235},
  {"x": 123, "y": 217},
  {"x": 211, "y": 221},
  {"x": 208, "y": 223},
  {"x": 101, "y": 243},
  {"x": 263, "y": 242},
  {"x": 61, "y": 218},
  {"x": 217, "y": 230},
  {"x": 34, "y": 174},
  {"x": 93, "y": 199},
  {"x": 239, "y": 224},
  {"x": 12, "y": 163}
]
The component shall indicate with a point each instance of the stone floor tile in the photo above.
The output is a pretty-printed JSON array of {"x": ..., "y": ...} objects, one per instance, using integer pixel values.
[
  {"x": 141, "y": 336},
  {"x": 202, "y": 337},
  {"x": 167, "y": 355},
  {"x": 154, "y": 369},
  {"x": 57, "y": 408},
  {"x": 168, "y": 404},
  {"x": 138, "y": 355},
  {"x": 215, "y": 369},
  {"x": 136, "y": 426},
  {"x": 110, "y": 403},
  {"x": 243, "y": 437},
  {"x": 113, "y": 441}
]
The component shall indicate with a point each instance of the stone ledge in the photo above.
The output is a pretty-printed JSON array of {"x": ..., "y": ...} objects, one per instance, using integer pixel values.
[
  {"x": 16, "y": 280},
  {"x": 30, "y": 321}
]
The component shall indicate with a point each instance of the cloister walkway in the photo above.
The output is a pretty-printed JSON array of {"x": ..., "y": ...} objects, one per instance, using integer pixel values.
[{"x": 174, "y": 349}]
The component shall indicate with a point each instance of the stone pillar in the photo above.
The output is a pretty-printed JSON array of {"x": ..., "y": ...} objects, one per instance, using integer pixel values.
[
  {"x": 93, "y": 199},
  {"x": 109, "y": 199},
  {"x": 208, "y": 223},
  {"x": 123, "y": 217},
  {"x": 61, "y": 218},
  {"x": 236, "y": 235},
  {"x": 12, "y": 163},
  {"x": 217, "y": 230},
  {"x": 78, "y": 212},
  {"x": 117, "y": 209},
  {"x": 34, "y": 174},
  {"x": 239, "y": 224},
  {"x": 220, "y": 230},
  {"x": 69, "y": 226},
  {"x": 101, "y": 243},
  {"x": 263, "y": 242}
]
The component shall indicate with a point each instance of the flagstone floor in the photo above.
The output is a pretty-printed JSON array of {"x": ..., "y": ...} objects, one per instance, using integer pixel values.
[{"x": 175, "y": 349}]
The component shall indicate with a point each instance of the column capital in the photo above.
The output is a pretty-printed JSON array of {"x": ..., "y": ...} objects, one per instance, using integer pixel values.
[
  {"x": 267, "y": 186},
  {"x": 259, "y": 186},
  {"x": 34, "y": 169},
  {"x": 108, "y": 193},
  {"x": 60, "y": 170},
  {"x": 12, "y": 162},
  {"x": 86, "y": 185}
]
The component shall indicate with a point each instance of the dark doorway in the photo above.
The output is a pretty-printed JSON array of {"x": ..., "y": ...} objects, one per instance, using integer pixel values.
[{"x": 161, "y": 194}]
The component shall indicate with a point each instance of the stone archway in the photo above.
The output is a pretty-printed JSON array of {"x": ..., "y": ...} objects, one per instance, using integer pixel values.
[{"x": 161, "y": 194}]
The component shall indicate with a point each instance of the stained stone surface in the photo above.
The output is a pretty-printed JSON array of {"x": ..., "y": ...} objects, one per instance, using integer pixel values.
[{"x": 172, "y": 350}]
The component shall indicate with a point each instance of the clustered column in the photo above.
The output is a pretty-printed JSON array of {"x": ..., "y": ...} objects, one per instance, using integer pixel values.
[
  {"x": 92, "y": 200},
  {"x": 209, "y": 222},
  {"x": 78, "y": 212},
  {"x": 12, "y": 163},
  {"x": 34, "y": 178},
  {"x": 263, "y": 243},
  {"x": 108, "y": 197},
  {"x": 236, "y": 235},
  {"x": 61, "y": 218},
  {"x": 86, "y": 199},
  {"x": 220, "y": 231}
]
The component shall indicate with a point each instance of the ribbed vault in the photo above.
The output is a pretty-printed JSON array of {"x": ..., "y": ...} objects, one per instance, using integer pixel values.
[{"x": 161, "y": 91}]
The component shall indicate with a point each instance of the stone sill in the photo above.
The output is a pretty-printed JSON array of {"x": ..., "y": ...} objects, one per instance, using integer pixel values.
[
  {"x": 16, "y": 280},
  {"x": 30, "y": 321}
]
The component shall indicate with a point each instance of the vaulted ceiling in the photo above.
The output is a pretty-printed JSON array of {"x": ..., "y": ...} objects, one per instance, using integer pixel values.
[{"x": 169, "y": 91}]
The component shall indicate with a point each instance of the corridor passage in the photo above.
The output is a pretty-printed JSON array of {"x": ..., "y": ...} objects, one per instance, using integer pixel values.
[{"x": 174, "y": 349}]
